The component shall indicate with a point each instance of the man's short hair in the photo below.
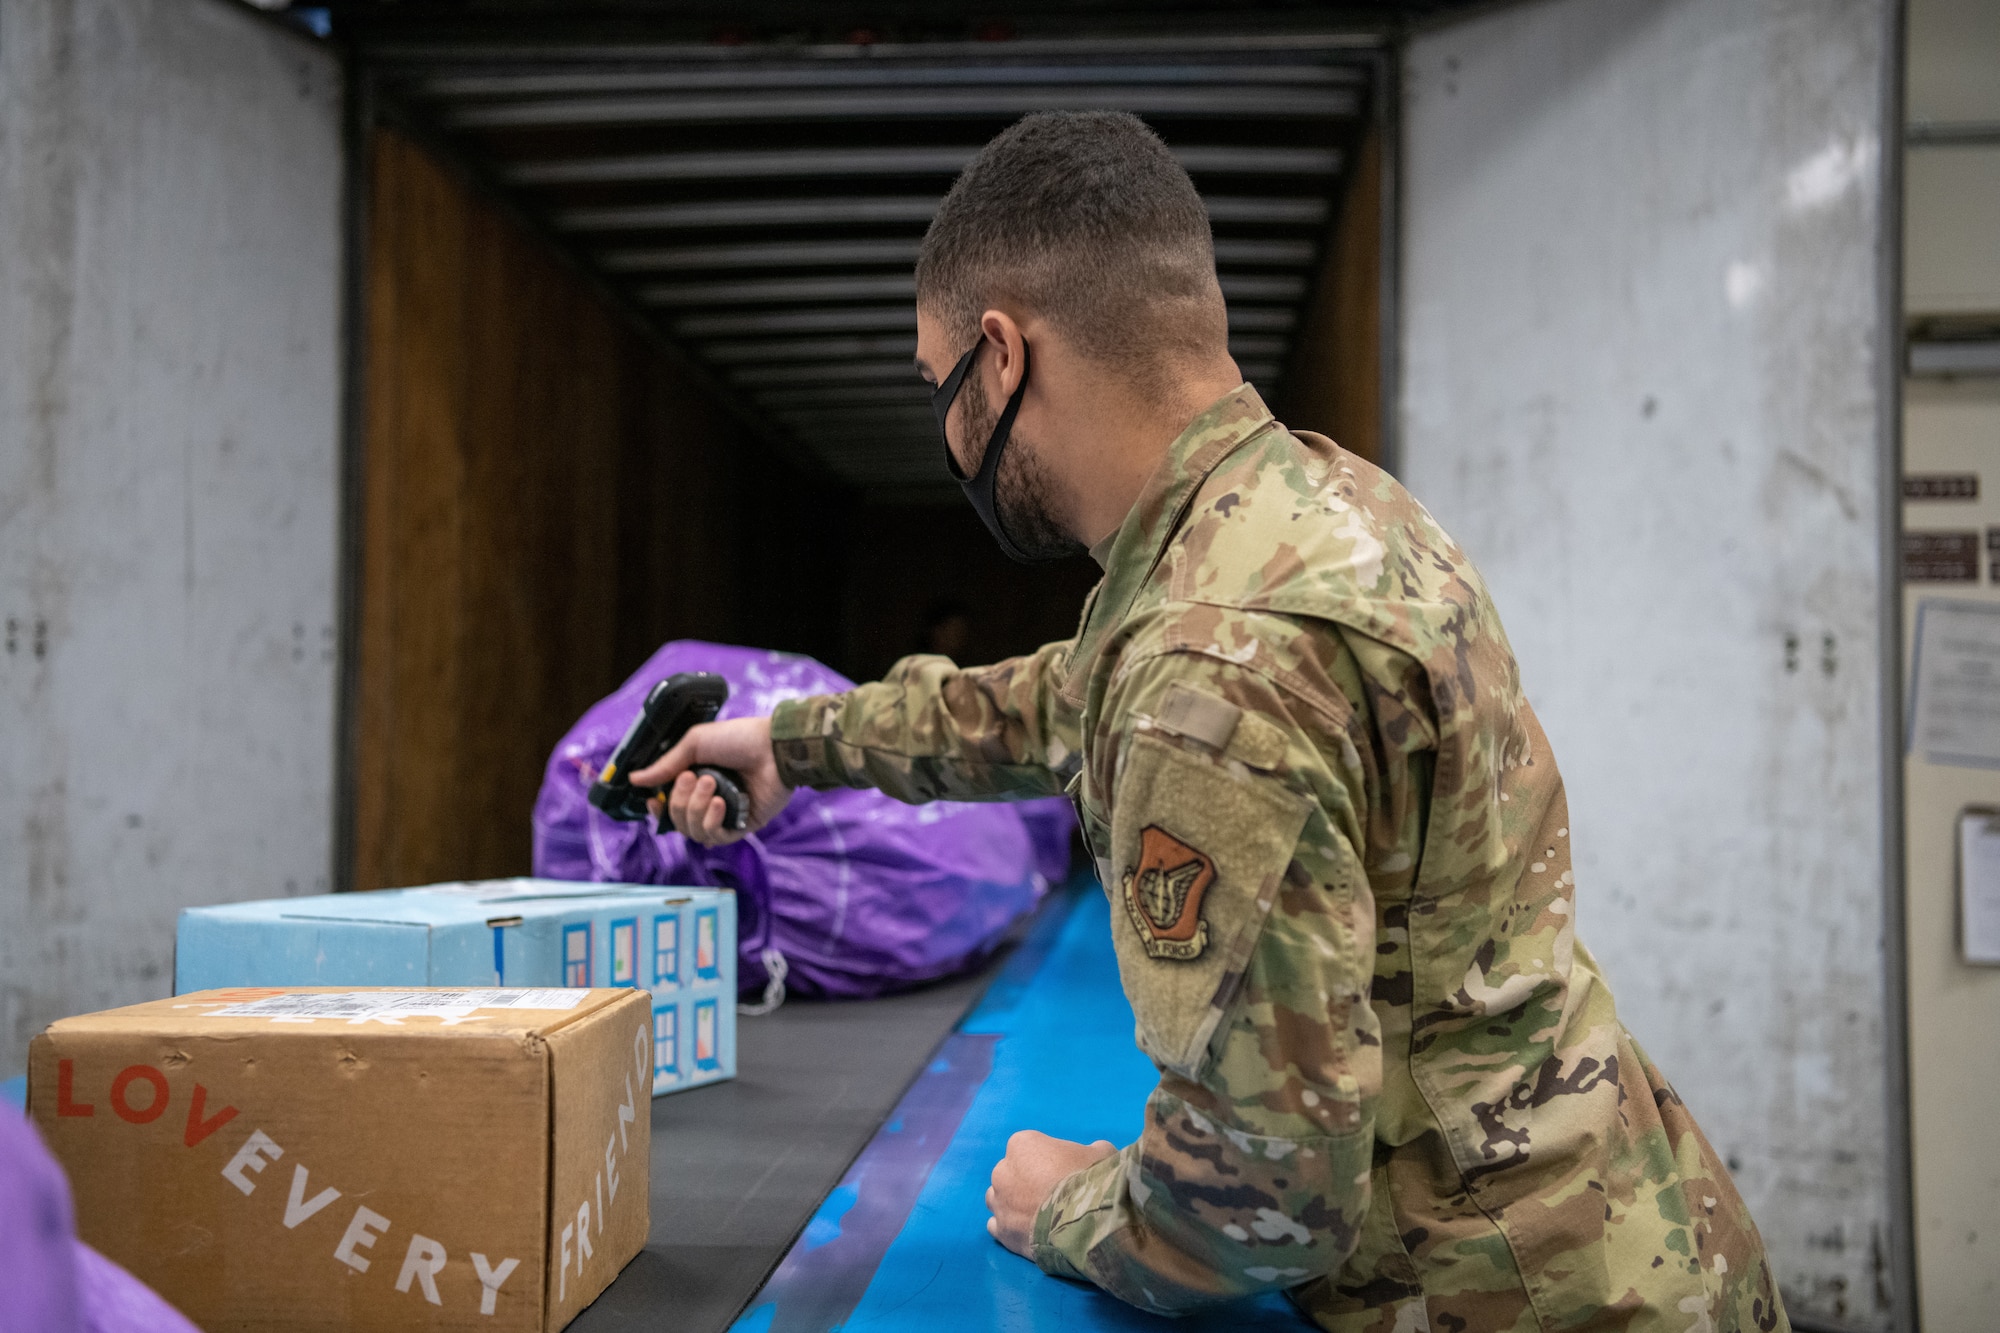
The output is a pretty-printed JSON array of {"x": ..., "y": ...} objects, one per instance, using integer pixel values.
[{"x": 1085, "y": 218}]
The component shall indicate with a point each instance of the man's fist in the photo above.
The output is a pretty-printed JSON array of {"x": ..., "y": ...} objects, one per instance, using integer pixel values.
[
  {"x": 742, "y": 744},
  {"x": 1034, "y": 1165}
]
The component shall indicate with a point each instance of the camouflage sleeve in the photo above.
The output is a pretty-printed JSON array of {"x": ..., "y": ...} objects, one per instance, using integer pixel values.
[
  {"x": 1244, "y": 929},
  {"x": 930, "y": 730}
]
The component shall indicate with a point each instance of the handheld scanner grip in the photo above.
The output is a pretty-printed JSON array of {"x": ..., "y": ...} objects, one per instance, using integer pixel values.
[
  {"x": 672, "y": 706},
  {"x": 735, "y": 801}
]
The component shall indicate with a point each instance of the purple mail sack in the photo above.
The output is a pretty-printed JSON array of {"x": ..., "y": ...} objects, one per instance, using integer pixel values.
[
  {"x": 53, "y": 1282},
  {"x": 856, "y": 893}
]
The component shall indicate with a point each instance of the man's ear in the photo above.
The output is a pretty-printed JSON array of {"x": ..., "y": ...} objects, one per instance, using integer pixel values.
[{"x": 1008, "y": 354}]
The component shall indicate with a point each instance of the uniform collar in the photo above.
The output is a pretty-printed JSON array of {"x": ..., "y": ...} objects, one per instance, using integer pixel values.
[{"x": 1130, "y": 554}]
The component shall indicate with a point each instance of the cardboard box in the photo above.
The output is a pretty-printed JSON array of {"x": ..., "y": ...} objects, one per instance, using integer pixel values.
[
  {"x": 677, "y": 944},
  {"x": 315, "y": 1159}
]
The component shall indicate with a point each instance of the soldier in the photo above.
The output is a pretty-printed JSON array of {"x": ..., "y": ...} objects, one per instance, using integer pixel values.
[{"x": 1392, "y": 1081}]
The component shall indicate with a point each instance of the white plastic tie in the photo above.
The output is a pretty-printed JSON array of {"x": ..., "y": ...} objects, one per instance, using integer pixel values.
[{"x": 775, "y": 968}]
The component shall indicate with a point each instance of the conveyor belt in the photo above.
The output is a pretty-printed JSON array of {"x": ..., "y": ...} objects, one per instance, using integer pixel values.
[
  {"x": 739, "y": 1167},
  {"x": 901, "y": 1243}
]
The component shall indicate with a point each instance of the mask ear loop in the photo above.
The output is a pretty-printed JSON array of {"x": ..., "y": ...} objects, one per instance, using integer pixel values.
[
  {"x": 979, "y": 488},
  {"x": 1003, "y": 429},
  {"x": 945, "y": 397}
]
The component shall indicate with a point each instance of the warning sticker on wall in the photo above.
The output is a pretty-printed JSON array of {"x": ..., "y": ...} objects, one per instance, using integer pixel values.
[
  {"x": 1940, "y": 557},
  {"x": 1941, "y": 486}
]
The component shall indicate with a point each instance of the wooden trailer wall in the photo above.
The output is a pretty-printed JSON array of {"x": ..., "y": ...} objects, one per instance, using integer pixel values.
[
  {"x": 1334, "y": 383},
  {"x": 547, "y": 497}
]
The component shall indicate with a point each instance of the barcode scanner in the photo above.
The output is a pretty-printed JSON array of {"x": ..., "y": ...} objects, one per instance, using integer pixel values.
[{"x": 672, "y": 706}]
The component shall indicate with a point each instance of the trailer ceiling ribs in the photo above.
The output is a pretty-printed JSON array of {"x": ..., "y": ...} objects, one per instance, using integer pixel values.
[{"x": 762, "y": 206}]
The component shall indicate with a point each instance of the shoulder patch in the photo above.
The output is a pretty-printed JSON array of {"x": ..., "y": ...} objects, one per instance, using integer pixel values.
[
  {"x": 1163, "y": 894},
  {"x": 1199, "y": 845}
]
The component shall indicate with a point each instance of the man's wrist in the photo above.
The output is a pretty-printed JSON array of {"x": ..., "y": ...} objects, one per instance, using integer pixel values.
[
  {"x": 795, "y": 719},
  {"x": 1060, "y": 1208},
  {"x": 799, "y": 742},
  {"x": 1046, "y": 1255}
]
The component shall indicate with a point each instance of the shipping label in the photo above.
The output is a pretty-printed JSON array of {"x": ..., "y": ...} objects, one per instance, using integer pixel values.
[{"x": 363, "y": 1005}]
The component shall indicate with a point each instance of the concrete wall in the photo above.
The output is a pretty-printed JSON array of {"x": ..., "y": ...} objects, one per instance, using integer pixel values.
[
  {"x": 1641, "y": 386},
  {"x": 170, "y": 177},
  {"x": 1952, "y": 267}
]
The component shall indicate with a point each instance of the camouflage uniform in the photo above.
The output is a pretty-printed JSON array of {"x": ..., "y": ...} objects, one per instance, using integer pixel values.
[{"x": 1391, "y": 1079}]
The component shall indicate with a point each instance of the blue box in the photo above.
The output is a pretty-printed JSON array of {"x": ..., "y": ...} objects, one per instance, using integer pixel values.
[{"x": 679, "y": 944}]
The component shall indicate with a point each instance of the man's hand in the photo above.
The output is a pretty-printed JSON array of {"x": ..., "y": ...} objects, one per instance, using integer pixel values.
[
  {"x": 742, "y": 744},
  {"x": 1034, "y": 1165}
]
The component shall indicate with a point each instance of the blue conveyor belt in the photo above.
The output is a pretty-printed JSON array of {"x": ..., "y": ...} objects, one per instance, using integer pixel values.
[{"x": 901, "y": 1243}]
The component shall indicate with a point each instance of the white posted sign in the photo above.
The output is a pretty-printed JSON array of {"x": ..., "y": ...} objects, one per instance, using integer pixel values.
[{"x": 1956, "y": 678}]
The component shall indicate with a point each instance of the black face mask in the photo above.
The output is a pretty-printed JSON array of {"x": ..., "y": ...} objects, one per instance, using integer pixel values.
[{"x": 979, "y": 488}]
